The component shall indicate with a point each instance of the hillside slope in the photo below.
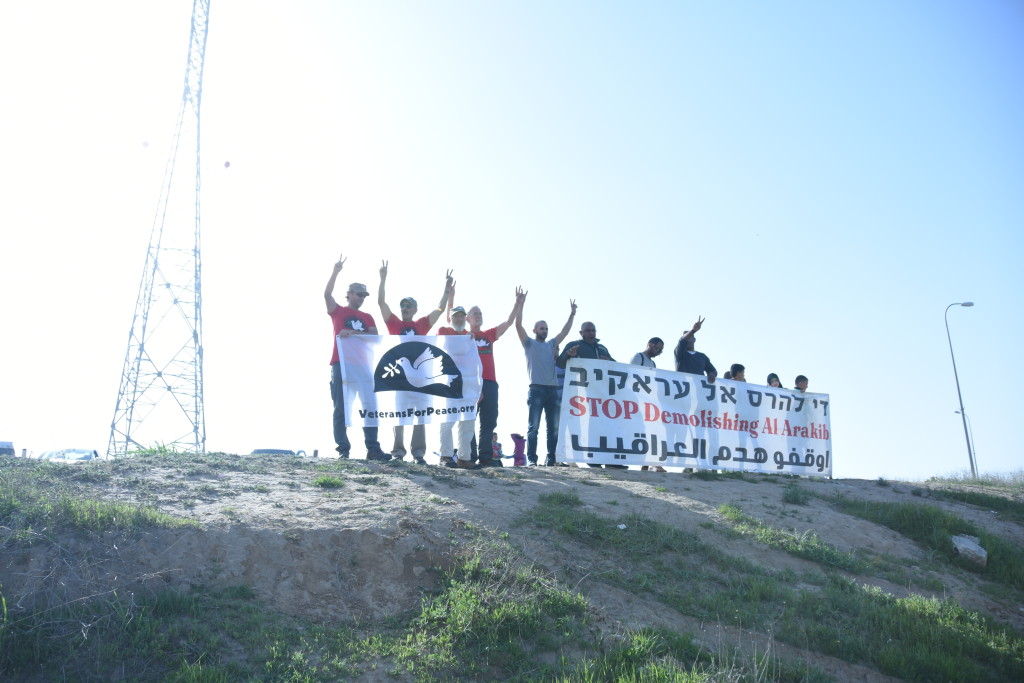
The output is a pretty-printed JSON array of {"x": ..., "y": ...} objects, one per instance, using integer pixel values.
[{"x": 359, "y": 544}]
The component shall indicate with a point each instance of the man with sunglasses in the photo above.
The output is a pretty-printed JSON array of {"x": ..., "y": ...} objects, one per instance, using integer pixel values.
[{"x": 349, "y": 320}]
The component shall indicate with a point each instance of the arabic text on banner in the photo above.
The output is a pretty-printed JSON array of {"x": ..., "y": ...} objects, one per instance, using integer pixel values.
[
  {"x": 409, "y": 379},
  {"x": 614, "y": 413}
]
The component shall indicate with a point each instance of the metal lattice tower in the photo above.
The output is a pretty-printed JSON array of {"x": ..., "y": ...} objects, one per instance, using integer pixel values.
[{"x": 160, "y": 400}]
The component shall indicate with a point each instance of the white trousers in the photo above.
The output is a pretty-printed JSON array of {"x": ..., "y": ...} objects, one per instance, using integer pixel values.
[{"x": 466, "y": 429}]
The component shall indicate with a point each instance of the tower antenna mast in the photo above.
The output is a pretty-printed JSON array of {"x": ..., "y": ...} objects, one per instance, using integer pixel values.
[{"x": 160, "y": 399}]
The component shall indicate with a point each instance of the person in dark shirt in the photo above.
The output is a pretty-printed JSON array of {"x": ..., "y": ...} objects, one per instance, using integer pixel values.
[
  {"x": 690, "y": 360},
  {"x": 588, "y": 346}
]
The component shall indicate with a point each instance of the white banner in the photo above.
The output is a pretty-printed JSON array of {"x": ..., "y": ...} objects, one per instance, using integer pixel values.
[
  {"x": 615, "y": 413},
  {"x": 409, "y": 379}
]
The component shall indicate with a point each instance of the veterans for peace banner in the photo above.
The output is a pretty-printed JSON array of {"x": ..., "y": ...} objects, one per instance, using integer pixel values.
[
  {"x": 614, "y": 413},
  {"x": 409, "y": 379}
]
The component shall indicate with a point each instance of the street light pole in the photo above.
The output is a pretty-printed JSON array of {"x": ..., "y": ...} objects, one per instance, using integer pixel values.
[
  {"x": 967, "y": 438},
  {"x": 974, "y": 449}
]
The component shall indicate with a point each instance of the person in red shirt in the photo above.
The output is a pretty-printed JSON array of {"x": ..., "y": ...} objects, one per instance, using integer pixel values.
[
  {"x": 406, "y": 325},
  {"x": 348, "y": 320},
  {"x": 487, "y": 409}
]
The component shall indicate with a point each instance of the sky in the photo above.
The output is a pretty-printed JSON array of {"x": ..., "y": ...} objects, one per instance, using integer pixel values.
[{"x": 817, "y": 180}]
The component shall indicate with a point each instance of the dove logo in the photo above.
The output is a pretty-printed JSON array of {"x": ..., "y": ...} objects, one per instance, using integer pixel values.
[{"x": 418, "y": 367}]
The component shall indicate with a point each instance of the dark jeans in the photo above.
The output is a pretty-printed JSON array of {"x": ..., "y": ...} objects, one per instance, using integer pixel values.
[
  {"x": 340, "y": 431},
  {"x": 487, "y": 413},
  {"x": 542, "y": 398}
]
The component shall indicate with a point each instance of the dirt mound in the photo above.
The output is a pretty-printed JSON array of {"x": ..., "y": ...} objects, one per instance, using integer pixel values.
[{"x": 352, "y": 541}]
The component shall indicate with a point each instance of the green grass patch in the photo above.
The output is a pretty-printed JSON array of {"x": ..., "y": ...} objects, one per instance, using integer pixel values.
[
  {"x": 660, "y": 656},
  {"x": 652, "y": 655},
  {"x": 491, "y": 620},
  {"x": 1012, "y": 482},
  {"x": 328, "y": 481},
  {"x": 914, "y": 638},
  {"x": 29, "y": 503},
  {"x": 806, "y": 545},
  {"x": 714, "y": 475},
  {"x": 215, "y": 634},
  {"x": 794, "y": 494},
  {"x": 819, "y": 611},
  {"x": 933, "y": 528},
  {"x": 1010, "y": 509}
]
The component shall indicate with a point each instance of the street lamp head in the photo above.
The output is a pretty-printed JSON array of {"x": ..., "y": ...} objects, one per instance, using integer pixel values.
[{"x": 967, "y": 303}]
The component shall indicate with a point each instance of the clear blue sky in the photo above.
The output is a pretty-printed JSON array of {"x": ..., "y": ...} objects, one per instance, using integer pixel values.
[{"x": 819, "y": 180}]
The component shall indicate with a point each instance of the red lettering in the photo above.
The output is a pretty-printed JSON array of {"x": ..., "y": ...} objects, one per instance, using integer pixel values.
[
  {"x": 616, "y": 408},
  {"x": 576, "y": 404},
  {"x": 630, "y": 409},
  {"x": 651, "y": 412}
]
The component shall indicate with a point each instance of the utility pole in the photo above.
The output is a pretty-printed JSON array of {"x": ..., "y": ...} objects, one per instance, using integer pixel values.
[{"x": 160, "y": 399}]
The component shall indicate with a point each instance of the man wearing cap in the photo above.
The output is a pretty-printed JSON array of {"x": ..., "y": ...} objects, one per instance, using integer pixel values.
[
  {"x": 406, "y": 325},
  {"x": 543, "y": 394},
  {"x": 691, "y": 361},
  {"x": 487, "y": 408},
  {"x": 348, "y": 320}
]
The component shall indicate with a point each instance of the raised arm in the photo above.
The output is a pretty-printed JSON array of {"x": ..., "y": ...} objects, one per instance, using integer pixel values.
[
  {"x": 329, "y": 289},
  {"x": 451, "y": 298},
  {"x": 449, "y": 287},
  {"x": 568, "y": 323},
  {"x": 693, "y": 330},
  {"x": 518, "y": 306},
  {"x": 519, "y": 323},
  {"x": 385, "y": 310}
]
